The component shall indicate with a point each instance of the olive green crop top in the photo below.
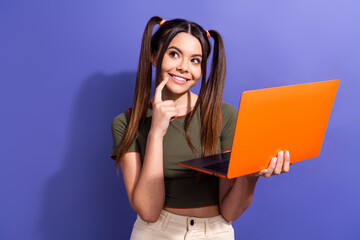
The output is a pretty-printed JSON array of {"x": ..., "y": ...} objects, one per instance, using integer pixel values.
[{"x": 183, "y": 187}]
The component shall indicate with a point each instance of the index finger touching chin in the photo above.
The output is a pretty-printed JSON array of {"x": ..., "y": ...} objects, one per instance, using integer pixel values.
[{"x": 158, "y": 90}]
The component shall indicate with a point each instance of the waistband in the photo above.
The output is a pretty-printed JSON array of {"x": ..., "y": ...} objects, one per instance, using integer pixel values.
[
  {"x": 187, "y": 219},
  {"x": 187, "y": 223},
  {"x": 191, "y": 223}
]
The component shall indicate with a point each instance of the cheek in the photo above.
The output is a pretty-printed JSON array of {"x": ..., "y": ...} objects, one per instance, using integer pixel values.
[
  {"x": 169, "y": 62},
  {"x": 197, "y": 72}
]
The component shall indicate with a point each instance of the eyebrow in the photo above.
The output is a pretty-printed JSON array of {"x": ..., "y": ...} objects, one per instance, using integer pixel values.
[{"x": 195, "y": 55}]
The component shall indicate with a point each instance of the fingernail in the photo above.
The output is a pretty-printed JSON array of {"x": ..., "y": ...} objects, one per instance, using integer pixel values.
[
  {"x": 275, "y": 159},
  {"x": 281, "y": 153},
  {"x": 287, "y": 153},
  {"x": 264, "y": 171},
  {"x": 166, "y": 78}
]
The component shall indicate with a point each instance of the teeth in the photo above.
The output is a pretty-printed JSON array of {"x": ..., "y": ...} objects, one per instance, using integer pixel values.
[{"x": 179, "y": 78}]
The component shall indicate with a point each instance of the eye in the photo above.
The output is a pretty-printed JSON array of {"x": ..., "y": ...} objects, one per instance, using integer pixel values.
[
  {"x": 196, "y": 60},
  {"x": 174, "y": 54}
]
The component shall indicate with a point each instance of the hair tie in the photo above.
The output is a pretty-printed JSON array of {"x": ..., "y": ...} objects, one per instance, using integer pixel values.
[
  {"x": 207, "y": 33},
  {"x": 162, "y": 22}
]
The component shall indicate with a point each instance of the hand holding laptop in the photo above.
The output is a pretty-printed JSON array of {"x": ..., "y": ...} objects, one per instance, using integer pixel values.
[{"x": 278, "y": 165}]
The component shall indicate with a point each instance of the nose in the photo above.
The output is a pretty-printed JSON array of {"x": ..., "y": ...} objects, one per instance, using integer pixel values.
[{"x": 183, "y": 65}]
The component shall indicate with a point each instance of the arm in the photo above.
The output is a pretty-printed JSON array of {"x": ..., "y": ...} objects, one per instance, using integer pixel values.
[
  {"x": 145, "y": 183},
  {"x": 235, "y": 195}
]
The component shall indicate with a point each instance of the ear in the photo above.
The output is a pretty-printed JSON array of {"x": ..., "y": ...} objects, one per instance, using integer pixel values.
[{"x": 154, "y": 57}]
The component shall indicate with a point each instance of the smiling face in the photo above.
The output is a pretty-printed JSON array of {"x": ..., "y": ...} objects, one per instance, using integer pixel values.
[{"x": 182, "y": 64}]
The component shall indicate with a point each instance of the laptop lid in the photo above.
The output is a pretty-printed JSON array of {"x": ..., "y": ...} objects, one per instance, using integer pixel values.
[{"x": 290, "y": 118}]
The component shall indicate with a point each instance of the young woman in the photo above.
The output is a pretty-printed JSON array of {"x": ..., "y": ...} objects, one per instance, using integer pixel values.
[{"x": 151, "y": 138}]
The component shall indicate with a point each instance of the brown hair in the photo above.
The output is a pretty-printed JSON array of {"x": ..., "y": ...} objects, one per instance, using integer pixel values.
[{"x": 210, "y": 92}]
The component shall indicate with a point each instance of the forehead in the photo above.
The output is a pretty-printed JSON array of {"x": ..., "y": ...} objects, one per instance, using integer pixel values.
[{"x": 186, "y": 43}]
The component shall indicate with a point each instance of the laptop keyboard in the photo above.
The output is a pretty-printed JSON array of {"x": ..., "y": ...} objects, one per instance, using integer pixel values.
[{"x": 221, "y": 167}]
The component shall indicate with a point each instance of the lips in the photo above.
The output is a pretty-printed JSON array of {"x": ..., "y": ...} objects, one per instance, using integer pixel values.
[{"x": 178, "y": 78}]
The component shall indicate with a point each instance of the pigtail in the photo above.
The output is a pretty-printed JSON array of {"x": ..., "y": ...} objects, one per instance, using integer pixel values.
[
  {"x": 142, "y": 92},
  {"x": 212, "y": 96}
]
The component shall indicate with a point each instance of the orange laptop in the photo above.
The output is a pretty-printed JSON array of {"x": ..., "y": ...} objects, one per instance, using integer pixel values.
[{"x": 290, "y": 118}]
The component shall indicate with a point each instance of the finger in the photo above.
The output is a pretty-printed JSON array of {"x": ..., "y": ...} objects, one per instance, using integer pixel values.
[
  {"x": 261, "y": 173},
  {"x": 173, "y": 115},
  {"x": 279, "y": 163},
  {"x": 167, "y": 103},
  {"x": 271, "y": 167},
  {"x": 168, "y": 109},
  {"x": 158, "y": 90},
  {"x": 286, "y": 165}
]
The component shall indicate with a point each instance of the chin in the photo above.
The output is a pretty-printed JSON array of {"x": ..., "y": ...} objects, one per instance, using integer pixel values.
[{"x": 179, "y": 89}]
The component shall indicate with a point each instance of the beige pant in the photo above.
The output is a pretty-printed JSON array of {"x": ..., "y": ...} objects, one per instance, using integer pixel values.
[{"x": 171, "y": 226}]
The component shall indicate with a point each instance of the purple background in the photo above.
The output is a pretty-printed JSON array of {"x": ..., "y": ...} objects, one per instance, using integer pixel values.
[{"x": 68, "y": 67}]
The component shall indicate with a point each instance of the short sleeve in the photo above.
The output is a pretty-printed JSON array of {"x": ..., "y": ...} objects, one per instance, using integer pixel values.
[
  {"x": 229, "y": 115},
  {"x": 118, "y": 129}
]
